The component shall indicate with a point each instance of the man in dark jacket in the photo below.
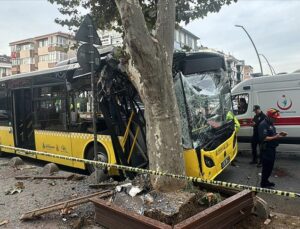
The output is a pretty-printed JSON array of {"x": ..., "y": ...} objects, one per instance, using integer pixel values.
[
  {"x": 257, "y": 119},
  {"x": 268, "y": 143}
]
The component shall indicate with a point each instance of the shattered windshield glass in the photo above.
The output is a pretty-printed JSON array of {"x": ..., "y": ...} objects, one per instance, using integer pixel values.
[{"x": 203, "y": 100}]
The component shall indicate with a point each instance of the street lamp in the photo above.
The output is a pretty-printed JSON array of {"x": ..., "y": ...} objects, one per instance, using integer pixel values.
[
  {"x": 261, "y": 70},
  {"x": 270, "y": 66}
]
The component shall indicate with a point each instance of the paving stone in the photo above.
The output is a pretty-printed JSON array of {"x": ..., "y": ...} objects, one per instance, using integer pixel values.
[
  {"x": 50, "y": 168},
  {"x": 15, "y": 161},
  {"x": 261, "y": 208}
]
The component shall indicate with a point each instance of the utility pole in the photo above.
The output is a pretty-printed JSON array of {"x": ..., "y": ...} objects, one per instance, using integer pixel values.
[
  {"x": 240, "y": 26},
  {"x": 270, "y": 66},
  {"x": 89, "y": 59}
]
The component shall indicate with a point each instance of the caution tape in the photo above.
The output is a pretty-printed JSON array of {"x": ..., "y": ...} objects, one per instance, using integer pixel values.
[{"x": 158, "y": 173}]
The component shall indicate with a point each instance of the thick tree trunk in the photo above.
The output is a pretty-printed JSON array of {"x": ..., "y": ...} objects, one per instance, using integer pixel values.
[
  {"x": 164, "y": 135},
  {"x": 150, "y": 69}
]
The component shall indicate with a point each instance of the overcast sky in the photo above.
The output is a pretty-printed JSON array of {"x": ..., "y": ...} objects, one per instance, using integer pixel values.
[{"x": 273, "y": 24}]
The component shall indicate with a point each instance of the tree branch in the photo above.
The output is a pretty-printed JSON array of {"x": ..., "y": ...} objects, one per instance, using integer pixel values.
[{"x": 165, "y": 26}]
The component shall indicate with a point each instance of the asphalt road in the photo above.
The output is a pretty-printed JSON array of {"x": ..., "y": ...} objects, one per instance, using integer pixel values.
[{"x": 286, "y": 176}]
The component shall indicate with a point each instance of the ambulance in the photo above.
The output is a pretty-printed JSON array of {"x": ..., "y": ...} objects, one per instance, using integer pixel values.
[{"x": 281, "y": 92}]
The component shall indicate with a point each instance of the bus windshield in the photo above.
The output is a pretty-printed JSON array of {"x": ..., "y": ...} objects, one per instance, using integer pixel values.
[{"x": 203, "y": 100}]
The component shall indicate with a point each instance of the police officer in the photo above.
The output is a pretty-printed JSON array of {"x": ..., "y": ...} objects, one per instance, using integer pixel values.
[
  {"x": 268, "y": 143},
  {"x": 257, "y": 119}
]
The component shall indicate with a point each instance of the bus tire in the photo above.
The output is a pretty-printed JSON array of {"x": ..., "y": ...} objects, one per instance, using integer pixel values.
[{"x": 102, "y": 156}]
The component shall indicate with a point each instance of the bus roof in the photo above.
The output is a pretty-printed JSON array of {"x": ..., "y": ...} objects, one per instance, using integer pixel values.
[
  {"x": 41, "y": 72},
  {"x": 191, "y": 63}
]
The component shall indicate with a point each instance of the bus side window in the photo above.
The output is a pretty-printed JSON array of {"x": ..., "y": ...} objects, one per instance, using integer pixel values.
[
  {"x": 240, "y": 103},
  {"x": 50, "y": 108}
]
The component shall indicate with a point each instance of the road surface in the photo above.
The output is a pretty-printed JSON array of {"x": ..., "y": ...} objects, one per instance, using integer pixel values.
[{"x": 286, "y": 175}]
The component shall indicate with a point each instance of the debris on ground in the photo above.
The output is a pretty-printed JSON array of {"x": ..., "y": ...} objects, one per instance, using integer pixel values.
[
  {"x": 64, "y": 205},
  {"x": 4, "y": 222},
  {"x": 267, "y": 221},
  {"x": 209, "y": 199},
  {"x": 19, "y": 186},
  {"x": 134, "y": 191},
  {"x": 104, "y": 184}
]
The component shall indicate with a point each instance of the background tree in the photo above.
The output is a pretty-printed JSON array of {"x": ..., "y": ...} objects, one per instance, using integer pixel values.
[{"x": 148, "y": 27}]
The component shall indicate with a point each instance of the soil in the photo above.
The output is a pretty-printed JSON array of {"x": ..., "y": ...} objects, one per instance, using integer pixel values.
[
  {"x": 278, "y": 221},
  {"x": 41, "y": 193},
  {"x": 172, "y": 208}
]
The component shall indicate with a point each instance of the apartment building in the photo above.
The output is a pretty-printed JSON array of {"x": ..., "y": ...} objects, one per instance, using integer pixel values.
[
  {"x": 5, "y": 66},
  {"x": 248, "y": 71},
  {"x": 41, "y": 52},
  {"x": 183, "y": 39}
]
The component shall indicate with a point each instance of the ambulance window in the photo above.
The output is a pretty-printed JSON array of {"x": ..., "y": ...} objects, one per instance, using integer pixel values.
[{"x": 240, "y": 103}]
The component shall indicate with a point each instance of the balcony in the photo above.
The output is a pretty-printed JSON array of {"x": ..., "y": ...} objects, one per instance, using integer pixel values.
[
  {"x": 26, "y": 53},
  {"x": 15, "y": 68},
  {"x": 27, "y": 68},
  {"x": 57, "y": 48}
]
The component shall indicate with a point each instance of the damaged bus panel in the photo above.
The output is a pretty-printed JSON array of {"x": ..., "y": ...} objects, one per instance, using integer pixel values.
[{"x": 203, "y": 95}]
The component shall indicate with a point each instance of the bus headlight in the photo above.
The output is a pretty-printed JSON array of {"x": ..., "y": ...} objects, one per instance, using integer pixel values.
[{"x": 209, "y": 162}]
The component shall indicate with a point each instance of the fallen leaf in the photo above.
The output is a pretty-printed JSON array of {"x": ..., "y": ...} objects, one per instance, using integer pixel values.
[
  {"x": 19, "y": 185},
  {"x": 66, "y": 211}
]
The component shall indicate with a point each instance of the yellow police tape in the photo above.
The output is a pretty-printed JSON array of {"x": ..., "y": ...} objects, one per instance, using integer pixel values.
[{"x": 158, "y": 173}]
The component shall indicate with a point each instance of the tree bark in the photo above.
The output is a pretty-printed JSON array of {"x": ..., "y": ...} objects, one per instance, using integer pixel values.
[{"x": 150, "y": 69}]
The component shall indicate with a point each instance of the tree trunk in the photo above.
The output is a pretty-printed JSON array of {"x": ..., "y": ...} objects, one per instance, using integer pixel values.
[
  {"x": 150, "y": 69},
  {"x": 163, "y": 134}
]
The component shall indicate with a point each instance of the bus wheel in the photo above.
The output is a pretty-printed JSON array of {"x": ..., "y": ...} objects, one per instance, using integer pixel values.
[{"x": 102, "y": 156}]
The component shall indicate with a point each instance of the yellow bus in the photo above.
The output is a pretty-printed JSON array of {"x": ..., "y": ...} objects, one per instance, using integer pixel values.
[{"x": 50, "y": 111}]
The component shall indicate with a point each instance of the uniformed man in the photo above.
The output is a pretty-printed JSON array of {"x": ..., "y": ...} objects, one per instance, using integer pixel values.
[
  {"x": 257, "y": 119},
  {"x": 268, "y": 143}
]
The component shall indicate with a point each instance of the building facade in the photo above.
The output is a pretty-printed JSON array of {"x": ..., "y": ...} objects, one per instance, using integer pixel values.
[
  {"x": 41, "y": 52},
  {"x": 5, "y": 66},
  {"x": 236, "y": 69},
  {"x": 183, "y": 39},
  {"x": 248, "y": 71}
]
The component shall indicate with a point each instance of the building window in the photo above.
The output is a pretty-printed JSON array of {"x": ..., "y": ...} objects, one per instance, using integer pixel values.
[
  {"x": 26, "y": 47},
  {"x": 15, "y": 62},
  {"x": 61, "y": 41},
  {"x": 43, "y": 43},
  {"x": 57, "y": 56},
  {"x": 58, "y": 41},
  {"x": 182, "y": 38},
  {"x": 27, "y": 60},
  {"x": 43, "y": 58}
]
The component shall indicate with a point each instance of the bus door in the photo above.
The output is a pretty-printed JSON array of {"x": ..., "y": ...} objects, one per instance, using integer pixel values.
[
  {"x": 23, "y": 118},
  {"x": 6, "y": 130}
]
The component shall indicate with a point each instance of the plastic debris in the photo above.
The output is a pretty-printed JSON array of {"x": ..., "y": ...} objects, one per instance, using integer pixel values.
[
  {"x": 134, "y": 191},
  {"x": 4, "y": 222},
  {"x": 119, "y": 188}
]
